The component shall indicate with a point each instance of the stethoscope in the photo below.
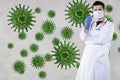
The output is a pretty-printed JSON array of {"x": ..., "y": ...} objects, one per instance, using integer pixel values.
[{"x": 99, "y": 27}]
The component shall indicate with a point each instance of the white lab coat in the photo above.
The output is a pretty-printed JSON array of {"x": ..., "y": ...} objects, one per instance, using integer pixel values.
[{"x": 94, "y": 64}]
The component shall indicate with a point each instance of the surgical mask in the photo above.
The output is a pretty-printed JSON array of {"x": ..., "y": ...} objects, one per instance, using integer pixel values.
[{"x": 98, "y": 14}]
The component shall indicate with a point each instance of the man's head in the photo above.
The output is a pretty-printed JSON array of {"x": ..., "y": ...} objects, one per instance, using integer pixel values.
[{"x": 98, "y": 9}]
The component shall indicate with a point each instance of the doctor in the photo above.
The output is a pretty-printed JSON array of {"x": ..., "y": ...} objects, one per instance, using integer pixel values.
[{"x": 97, "y": 35}]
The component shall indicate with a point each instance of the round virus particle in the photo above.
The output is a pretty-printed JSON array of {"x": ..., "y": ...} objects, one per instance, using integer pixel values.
[
  {"x": 67, "y": 33},
  {"x": 109, "y": 8},
  {"x": 39, "y": 36},
  {"x": 114, "y": 36},
  {"x": 109, "y": 18},
  {"x": 119, "y": 49},
  {"x": 19, "y": 67},
  {"x": 10, "y": 45},
  {"x": 22, "y": 36},
  {"x": 65, "y": 55},
  {"x": 42, "y": 74},
  {"x": 48, "y": 57},
  {"x": 51, "y": 14},
  {"x": 38, "y": 10},
  {"x": 55, "y": 41},
  {"x": 77, "y": 12},
  {"x": 48, "y": 27},
  {"x": 38, "y": 61},
  {"x": 24, "y": 53},
  {"x": 21, "y": 18},
  {"x": 34, "y": 47}
]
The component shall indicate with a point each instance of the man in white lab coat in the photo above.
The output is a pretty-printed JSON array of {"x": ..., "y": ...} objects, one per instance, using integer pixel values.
[{"x": 97, "y": 35}]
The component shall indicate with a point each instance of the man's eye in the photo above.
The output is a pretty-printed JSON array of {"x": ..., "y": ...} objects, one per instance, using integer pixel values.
[{"x": 100, "y": 9}]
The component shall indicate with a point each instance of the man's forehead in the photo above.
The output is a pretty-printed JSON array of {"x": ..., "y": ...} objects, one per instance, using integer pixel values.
[{"x": 97, "y": 7}]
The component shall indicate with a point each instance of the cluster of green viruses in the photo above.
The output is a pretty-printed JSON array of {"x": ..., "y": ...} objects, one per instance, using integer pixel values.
[
  {"x": 48, "y": 57},
  {"x": 77, "y": 12},
  {"x": 65, "y": 55},
  {"x": 39, "y": 36},
  {"x": 24, "y": 53},
  {"x": 37, "y": 10},
  {"x": 22, "y": 36},
  {"x": 109, "y": 18},
  {"x": 10, "y": 45},
  {"x": 38, "y": 61},
  {"x": 51, "y": 14},
  {"x": 19, "y": 67},
  {"x": 34, "y": 47},
  {"x": 109, "y": 8},
  {"x": 42, "y": 74},
  {"x": 48, "y": 27},
  {"x": 21, "y": 18},
  {"x": 67, "y": 32},
  {"x": 114, "y": 36},
  {"x": 55, "y": 41}
]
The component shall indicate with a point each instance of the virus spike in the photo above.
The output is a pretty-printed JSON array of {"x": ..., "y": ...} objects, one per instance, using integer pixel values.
[
  {"x": 12, "y": 9},
  {"x": 23, "y": 6},
  {"x": 20, "y": 6}
]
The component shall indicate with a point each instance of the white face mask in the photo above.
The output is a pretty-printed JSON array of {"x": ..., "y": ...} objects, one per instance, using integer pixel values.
[{"x": 98, "y": 14}]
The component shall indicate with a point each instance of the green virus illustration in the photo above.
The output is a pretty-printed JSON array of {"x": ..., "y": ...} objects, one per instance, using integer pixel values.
[
  {"x": 109, "y": 8},
  {"x": 48, "y": 57},
  {"x": 65, "y": 55},
  {"x": 109, "y": 18},
  {"x": 34, "y": 47},
  {"x": 21, "y": 18},
  {"x": 67, "y": 32},
  {"x": 19, "y": 67},
  {"x": 42, "y": 74},
  {"x": 119, "y": 49},
  {"x": 51, "y": 14},
  {"x": 22, "y": 36},
  {"x": 39, "y": 36},
  {"x": 77, "y": 12},
  {"x": 10, "y": 45},
  {"x": 114, "y": 36},
  {"x": 24, "y": 53},
  {"x": 38, "y": 61},
  {"x": 55, "y": 41},
  {"x": 37, "y": 10},
  {"x": 118, "y": 27},
  {"x": 48, "y": 27}
]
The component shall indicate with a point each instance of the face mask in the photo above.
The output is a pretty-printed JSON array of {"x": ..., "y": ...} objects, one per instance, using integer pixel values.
[{"x": 98, "y": 14}]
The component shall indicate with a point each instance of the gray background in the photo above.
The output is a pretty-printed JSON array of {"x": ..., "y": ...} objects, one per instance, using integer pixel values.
[{"x": 7, "y": 56}]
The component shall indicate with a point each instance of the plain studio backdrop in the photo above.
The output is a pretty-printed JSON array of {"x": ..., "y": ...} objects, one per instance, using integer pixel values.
[{"x": 9, "y": 56}]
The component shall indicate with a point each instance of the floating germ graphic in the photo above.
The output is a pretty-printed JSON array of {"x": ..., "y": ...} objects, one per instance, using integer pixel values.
[
  {"x": 38, "y": 61},
  {"x": 21, "y": 18},
  {"x": 48, "y": 57},
  {"x": 51, "y": 14},
  {"x": 67, "y": 33},
  {"x": 42, "y": 74},
  {"x": 109, "y": 8},
  {"x": 34, "y": 47},
  {"x": 19, "y": 67},
  {"x": 77, "y": 12},
  {"x": 39, "y": 36},
  {"x": 114, "y": 36},
  {"x": 55, "y": 41},
  {"x": 37, "y": 10},
  {"x": 22, "y": 36},
  {"x": 10, "y": 45},
  {"x": 65, "y": 55},
  {"x": 24, "y": 53},
  {"x": 48, "y": 27}
]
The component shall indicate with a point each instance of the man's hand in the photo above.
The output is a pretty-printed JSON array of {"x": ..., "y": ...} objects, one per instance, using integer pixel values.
[{"x": 88, "y": 22}]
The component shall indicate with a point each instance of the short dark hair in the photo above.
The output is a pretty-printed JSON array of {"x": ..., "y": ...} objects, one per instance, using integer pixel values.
[{"x": 98, "y": 3}]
